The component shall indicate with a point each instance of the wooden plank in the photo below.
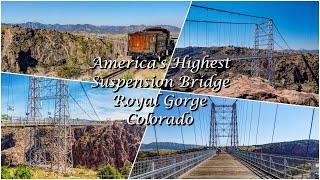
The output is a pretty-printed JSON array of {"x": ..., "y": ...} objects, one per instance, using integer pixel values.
[{"x": 221, "y": 166}]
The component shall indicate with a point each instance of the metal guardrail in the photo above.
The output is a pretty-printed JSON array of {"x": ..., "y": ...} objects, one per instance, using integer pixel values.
[
  {"x": 168, "y": 167},
  {"x": 281, "y": 166},
  {"x": 19, "y": 121}
]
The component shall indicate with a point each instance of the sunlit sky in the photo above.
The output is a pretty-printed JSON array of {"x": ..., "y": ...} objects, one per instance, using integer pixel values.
[
  {"x": 298, "y": 22},
  {"x": 293, "y": 123},
  {"x": 96, "y": 13},
  {"x": 14, "y": 92}
]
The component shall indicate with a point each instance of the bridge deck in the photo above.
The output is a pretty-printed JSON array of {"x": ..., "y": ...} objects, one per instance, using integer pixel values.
[{"x": 221, "y": 166}]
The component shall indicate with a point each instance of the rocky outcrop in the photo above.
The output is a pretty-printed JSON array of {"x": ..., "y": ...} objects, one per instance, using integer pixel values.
[
  {"x": 93, "y": 146},
  {"x": 260, "y": 89},
  {"x": 294, "y": 81},
  {"x": 49, "y": 52},
  {"x": 114, "y": 145},
  {"x": 12, "y": 146}
]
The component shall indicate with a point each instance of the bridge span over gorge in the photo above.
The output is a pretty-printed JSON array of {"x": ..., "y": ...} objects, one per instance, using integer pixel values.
[{"x": 228, "y": 160}]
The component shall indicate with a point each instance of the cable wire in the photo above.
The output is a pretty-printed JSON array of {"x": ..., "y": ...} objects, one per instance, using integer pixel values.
[
  {"x": 274, "y": 123},
  {"x": 90, "y": 101}
]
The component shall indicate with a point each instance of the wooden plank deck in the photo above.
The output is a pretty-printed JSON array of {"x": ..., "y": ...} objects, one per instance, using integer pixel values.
[{"x": 221, "y": 166}]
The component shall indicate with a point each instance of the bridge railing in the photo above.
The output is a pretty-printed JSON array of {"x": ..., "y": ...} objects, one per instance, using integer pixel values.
[
  {"x": 20, "y": 121},
  {"x": 171, "y": 166},
  {"x": 281, "y": 166}
]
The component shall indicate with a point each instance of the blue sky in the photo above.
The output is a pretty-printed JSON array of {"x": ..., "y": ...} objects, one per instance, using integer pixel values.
[
  {"x": 96, "y": 13},
  {"x": 293, "y": 123},
  {"x": 14, "y": 90},
  {"x": 298, "y": 22}
]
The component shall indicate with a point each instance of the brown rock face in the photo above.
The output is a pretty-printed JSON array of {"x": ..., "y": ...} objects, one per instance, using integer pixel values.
[
  {"x": 49, "y": 52},
  {"x": 294, "y": 82},
  {"x": 96, "y": 146},
  {"x": 12, "y": 146},
  {"x": 93, "y": 146}
]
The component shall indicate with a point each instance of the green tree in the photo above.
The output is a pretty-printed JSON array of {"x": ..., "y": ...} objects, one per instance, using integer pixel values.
[
  {"x": 22, "y": 172},
  {"x": 109, "y": 172},
  {"x": 4, "y": 117},
  {"x": 5, "y": 173},
  {"x": 125, "y": 170}
]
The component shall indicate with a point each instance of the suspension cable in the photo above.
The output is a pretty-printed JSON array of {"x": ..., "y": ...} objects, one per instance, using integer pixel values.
[
  {"x": 245, "y": 125},
  {"x": 249, "y": 134},
  {"x": 80, "y": 106},
  {"x": 281, "y": 36},
  {"x": 194, "y": 128},
  {"x": 90, "y": 101},
  {"x": 258, "y": 124},
  {"x": 200, "y": 127},
  {"x": 224, "y": 11},
  {"x": 310, "y": 132},
  {"x": 184, "y": 146},
  {"x": 274, "y": 123},
  {"x": 156, "y": 137},
  {"x": 240, "y": 121}
]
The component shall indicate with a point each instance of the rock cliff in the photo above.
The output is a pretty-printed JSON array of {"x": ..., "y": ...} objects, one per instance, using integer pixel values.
[
  {"x": 93, "y": 146},
  {"x": 50, "y": 52},
  {"x": 294, "y": 82}
]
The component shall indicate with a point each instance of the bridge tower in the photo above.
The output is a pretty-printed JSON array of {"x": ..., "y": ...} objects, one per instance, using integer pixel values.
[
  {"x": 223, "y": 124},
  {"x": 49, "y": 142},
  {"x": 263, "y": 46},
  {"x": 255, "y": 67},
  {"x": 213, "y": 128},
  {"x": 270, "y": 49},
  {"x": 234, "y": 127},
  {"x": 35, "y": 152}
]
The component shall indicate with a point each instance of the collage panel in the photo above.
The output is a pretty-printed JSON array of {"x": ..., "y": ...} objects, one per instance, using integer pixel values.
[
  {"x": 229, "y": 139},
  {"x": 83, "y": 40},
  {"x": 252, "y": 50},
  {"x": 55, "y": 128}
]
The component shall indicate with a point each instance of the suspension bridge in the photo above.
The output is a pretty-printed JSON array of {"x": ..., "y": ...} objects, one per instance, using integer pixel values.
[
  {"x": 244, "y": 38},
  {"x": 231, "y": 149},
  {"x": 52, "y": 109}
]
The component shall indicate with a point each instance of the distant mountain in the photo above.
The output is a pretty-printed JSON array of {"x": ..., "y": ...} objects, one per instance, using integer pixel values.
[
  {"x": 313, "y": 51},
  {"x": 88, "y": 28},
  {"x": 292, "y": 148},
  {"x": 167, "y": 146}
]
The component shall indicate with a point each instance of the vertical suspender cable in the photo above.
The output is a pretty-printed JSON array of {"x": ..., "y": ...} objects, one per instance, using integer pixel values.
[
  {"x": 310, "y": 132},
  {"x": 155, "y": 135},
  {"x": 189, "y": 34},
  {"x": 205, "y": 129},
  {"x": 240, "y": 121},
  {"x": 8, "y": 94},
  {"x": 249, "y": 134},
  {"x": 207, "y": 30},
  {"x": 245, "y": 125},
  {"x": 200, "y": 127},
  {"x": 194, "y": 129},
  {"x": 258, "y": 124},
  {"x": 184, "y": 35},
  {"x": 274, "y": 123},
  {"x": 184, "y": 146},
  {"x": 195, "y": 134}
]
